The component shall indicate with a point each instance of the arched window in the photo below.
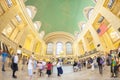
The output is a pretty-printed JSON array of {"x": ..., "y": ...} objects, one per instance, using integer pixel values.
[
  {"x": 59, "y": 48},
  {"x": 9, "y": 3},
  {"x": 68, "y": 48},
  {"x": 36, "y": 26},
  {"x": 50, "y": 48},
  {"x": 18, "y": 18},
  {"x": 83, "y": 26},
  {"x": 29, "y": 12},
  {"x": 110, "y": 3},
  {"x": 42, "y": 33},
  {"x": 90, "y": 13}
]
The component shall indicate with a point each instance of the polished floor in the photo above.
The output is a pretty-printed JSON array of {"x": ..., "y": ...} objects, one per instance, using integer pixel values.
[{"x": 85, "y": 74}]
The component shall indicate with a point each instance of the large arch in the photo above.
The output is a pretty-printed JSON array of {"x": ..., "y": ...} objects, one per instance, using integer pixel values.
[{"x": 62, "y": 37}]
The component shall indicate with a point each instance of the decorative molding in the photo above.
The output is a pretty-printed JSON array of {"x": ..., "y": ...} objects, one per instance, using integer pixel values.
[
  {"x": 26, "y": 51},
  {"x": 7, "y": 41},
  {"x": 33, "y": 10},
  {"x": 59, "y": 34}
]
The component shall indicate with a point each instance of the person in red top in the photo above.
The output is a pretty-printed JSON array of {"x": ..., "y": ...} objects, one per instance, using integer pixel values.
[{"x": 49, "y": 68}]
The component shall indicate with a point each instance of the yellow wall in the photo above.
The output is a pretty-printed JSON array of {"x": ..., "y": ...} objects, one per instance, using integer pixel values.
[
  {"x": 111, "y": 19},
  {"x": 81, "y": 48},
  {"x": 18, "y": 34},
  {"x": 37, "y": 48},
  {"x": 27, "y": 44}
]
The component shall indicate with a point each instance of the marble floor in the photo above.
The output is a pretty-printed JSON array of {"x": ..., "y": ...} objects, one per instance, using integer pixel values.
[{"x": 85, "y": 74}]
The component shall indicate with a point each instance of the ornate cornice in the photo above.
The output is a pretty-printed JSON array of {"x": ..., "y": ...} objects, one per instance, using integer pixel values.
[{"x": 58, "y": 35}]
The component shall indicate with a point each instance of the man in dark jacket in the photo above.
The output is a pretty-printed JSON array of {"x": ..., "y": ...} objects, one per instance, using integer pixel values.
[{"x": 100, "y": 62}]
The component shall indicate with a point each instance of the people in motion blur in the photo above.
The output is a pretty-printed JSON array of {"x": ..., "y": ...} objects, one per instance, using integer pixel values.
[
  {"x": 4, "y": 56},
  {"x": 103, "y": 61},
  {"x": 59, "y": 68},
  {"x": 40, "y": 67},
  {"x": 100, "y": 62},
  {"x": 30, "y": 67},
  {"x": 49, "y": 68},
  {"x": 75, "y": 66},
  {"x": 14, "y": 65}
]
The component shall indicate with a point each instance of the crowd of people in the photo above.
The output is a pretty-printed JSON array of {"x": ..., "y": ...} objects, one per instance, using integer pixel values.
[
  {"x": 42, "y": 67},
  {"x": 34, "y": 66},
  {"x": 101, "y": 60}
]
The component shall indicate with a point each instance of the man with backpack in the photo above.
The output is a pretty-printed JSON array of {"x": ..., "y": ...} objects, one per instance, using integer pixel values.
[{"x": 100, "y": 62}]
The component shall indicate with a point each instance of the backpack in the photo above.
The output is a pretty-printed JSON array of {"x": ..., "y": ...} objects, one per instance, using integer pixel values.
[
  {"x": 108, "y": 62},
  {"x": 101, "y": 61}
]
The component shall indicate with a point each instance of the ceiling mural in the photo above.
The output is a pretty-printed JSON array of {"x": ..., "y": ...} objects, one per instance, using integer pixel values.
[{"x": 60, "y": 15}]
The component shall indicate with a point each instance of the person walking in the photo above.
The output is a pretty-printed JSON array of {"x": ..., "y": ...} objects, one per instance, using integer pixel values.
[
  {"x": 49, "y": 68},
  {"x": 40, "y": 67},
  {"x": 34, "y": 66},
  {"x": 100, "y": 62},
  {"x": 114, "y": 67},
  {"x": 79, "y": 65},
  {"x": 75, "y": 66},
  {"x": 93, "y": 65},
  {"x": 30, "y": 67},
  {"x": 15, "y": 65},
  {"x": 59, "y": 68},
  {"x": 23, "y": 62},
  {"x": 4, "y": 56}
]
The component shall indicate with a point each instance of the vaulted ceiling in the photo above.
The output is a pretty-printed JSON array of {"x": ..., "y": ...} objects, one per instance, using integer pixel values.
[{"x": 60, "y": 15}]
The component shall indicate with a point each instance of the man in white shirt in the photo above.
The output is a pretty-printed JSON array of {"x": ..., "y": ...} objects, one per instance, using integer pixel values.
[
  {"x": 59, "y": 68},
  {"x": 15, "y": 65},
  {"x": 44, "y": 64}
]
